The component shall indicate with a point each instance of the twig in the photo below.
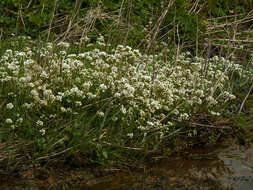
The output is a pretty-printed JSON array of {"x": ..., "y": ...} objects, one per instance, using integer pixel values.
[
  {"x": 159, "y": 22},
  {"x": 128, "y": 22},
  {"x": 209, "y": 126},
  {"x": 28, "y": 5},
  {"x": 124, "y": 147},
  {"x": 206, "y": 66},
  {"x": 233, "y": 40},
  {"x": 97, "y": 102},
  {"x": 56, "y": 154},
  {"x": 51, "y": 21},
  {"x": 71, "y": 21},
  {"x": 240, "y": 110},
  {"x": 193, "y": 8},
  {"x": 177, "y": 46},
  {"x": 171, "y": 112},
  {"x": 174, "y": 132}
]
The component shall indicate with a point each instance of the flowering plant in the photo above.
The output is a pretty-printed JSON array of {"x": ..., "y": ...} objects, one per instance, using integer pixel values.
[{"x": 120, "y": 87}]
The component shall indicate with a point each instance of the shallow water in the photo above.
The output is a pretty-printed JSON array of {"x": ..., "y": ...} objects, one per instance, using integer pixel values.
[
  {"x": 209, "y": 168},
  {"x": 217, "y": 167}
]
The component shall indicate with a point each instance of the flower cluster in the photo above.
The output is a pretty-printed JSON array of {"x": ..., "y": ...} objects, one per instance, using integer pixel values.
[{"x": 142, "y": 92}]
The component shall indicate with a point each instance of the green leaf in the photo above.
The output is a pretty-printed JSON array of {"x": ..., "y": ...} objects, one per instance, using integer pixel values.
[{"x": 105, "y": 154}]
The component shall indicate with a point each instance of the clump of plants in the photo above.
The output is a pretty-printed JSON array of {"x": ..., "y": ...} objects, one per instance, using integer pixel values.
[{"x": 100, "y": 97}]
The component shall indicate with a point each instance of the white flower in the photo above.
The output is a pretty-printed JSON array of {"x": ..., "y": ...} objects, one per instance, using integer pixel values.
[
  {"x": 72, "y": 55},
  {"x": 25, "y": 79},
  {"x": 90, "y": 95},
  {"x": 215, "y": 113},
  {"x": 49, "y": 46},
  {"x": 44, "y": 74},
  {"x": 117, "y": 95},
  {"x": 142, "y": 113},
  {"x": 86, "y": 86},
  {"x": 130, "y": 135},
  {"x": 63, "y": 44},
  {"x": 63, "y": 109},
  {"x": 53, "y": 116},
  {"x": 63, "y": 53},
  {"x": 19, "y": 121},
  {"x": 39, "y": 123},
  {"x": 47, "y": 93},
  {"x": 31, "y": 85},
  {"x": 43, "y": 102},
  {"x": 211, "y": 100},
  {"x": 101, "y": 114},
  {"x": 28, "y": 106},
  {"x": 58, "y": 98},
  {"x": 43, "y": 132},
  {"x": 123, "y": 110},
  {"x": 9, "y": 106},
  {"x": 76, "y": 91},
  {"x": 34, "y": 93},
  {"x": 8, "y": 121},
  {"x": 184, "y": 116},
  {"x": 103, "y": 87},
  {"x": 101, "y": 38},
  {"x": 78, "y": 103},
  {"x": 114, "y": 118},
  {"x": 232, "y": 97},
  {"x": 28, "y": 62},
  {"x": 84, "y": 39}
]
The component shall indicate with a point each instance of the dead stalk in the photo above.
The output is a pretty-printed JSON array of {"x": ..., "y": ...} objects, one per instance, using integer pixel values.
[
  {"x": 128, "y": 22},
  {"x": 159, "y": 22},
  {"x": 55, "y": 154},
  {"x": 206, "y": 66},
  {"x": 51, "y": 21},
  {"x": 71, "y": 21},
  {"x": 246, "y": 97},
  {"x": 193, "y": 124}
]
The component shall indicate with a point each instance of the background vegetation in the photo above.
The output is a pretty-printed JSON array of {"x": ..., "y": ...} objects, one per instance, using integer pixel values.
[{"x": 127, "y": 22}]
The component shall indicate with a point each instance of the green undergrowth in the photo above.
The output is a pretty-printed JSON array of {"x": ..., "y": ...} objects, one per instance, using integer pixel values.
[
  {"x": 243, "y": 123},
  {"x": 111, "y": 105},
  {"x": 128, "y": 22}
]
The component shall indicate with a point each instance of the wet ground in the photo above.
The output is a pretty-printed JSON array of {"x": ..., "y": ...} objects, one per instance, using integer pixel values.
[{"x": 210, "y": 168}]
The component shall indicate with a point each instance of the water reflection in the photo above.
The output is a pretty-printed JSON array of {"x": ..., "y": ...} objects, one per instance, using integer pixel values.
[{"x": 212, "y": 168}]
